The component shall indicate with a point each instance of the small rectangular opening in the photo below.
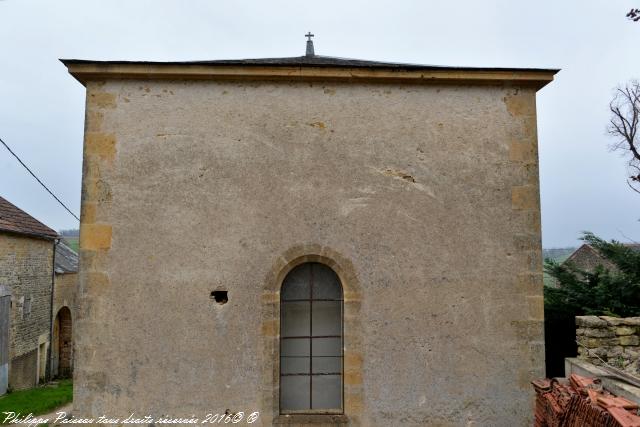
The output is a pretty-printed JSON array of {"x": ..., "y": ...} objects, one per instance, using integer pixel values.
[{"x": 219, "y": 297}]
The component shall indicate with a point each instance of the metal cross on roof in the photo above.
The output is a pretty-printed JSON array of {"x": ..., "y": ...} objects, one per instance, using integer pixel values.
[{"x": 310, "y": 51}]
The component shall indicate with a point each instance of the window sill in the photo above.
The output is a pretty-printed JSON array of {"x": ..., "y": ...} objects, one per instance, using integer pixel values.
[{"x": 284, "y": 419}]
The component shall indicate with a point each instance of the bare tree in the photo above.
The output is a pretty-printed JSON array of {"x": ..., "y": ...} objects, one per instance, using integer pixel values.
[{"x": 623, "y": 126}]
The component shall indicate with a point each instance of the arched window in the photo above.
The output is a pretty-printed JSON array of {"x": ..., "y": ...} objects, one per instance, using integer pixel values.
[{"x": 311, "y": 340}]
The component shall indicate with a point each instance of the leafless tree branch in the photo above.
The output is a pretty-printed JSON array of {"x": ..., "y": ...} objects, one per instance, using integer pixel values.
[
  {"x": 623, "y": 127},
  {"x": 634, "y": 15}
]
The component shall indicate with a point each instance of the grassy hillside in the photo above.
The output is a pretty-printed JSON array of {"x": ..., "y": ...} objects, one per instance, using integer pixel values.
[{"x": 72, "y": 242}]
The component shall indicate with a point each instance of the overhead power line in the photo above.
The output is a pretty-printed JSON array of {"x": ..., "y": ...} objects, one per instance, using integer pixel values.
[{"x": 37, "y": 179}]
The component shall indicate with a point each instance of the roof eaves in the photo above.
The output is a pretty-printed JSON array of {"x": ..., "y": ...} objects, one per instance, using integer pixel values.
[
  {"x": 295, "y": 69},
  {"x": 28, "y": 234}
]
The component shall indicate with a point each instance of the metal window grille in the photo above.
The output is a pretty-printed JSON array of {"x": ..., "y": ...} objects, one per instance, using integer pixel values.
[{"x": 311, "y": 341}]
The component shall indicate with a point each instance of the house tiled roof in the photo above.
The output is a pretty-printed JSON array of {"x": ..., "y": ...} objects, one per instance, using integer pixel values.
[{"x": 15, "y": 220}]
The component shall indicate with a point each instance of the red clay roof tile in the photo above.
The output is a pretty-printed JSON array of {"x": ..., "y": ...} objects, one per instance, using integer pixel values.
[{"x": 15, "y": 220}]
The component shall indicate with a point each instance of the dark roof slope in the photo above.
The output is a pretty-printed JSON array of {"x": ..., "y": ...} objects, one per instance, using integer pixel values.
[
  {"x": 66, "y": 259},
  {"x": 15, "y": 220},
  {"x": 306, "y": 61}
]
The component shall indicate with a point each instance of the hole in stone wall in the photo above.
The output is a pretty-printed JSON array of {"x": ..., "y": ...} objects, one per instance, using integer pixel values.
[{"x": 220, "y": 297}]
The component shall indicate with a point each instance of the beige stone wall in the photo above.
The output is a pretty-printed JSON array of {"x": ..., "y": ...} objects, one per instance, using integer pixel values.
[
  {"x": 611, "y": 340},
  {"x": 26, "y": 268},
  {"x": 64, "y": 297},
  {"x": 65, "y": 291},
  {"x": 423, "y": 197}
]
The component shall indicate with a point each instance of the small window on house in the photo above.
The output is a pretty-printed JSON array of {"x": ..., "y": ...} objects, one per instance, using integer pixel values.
[
  {"x": 311, "y": 341},
  {"x": 26, "y": 307}
]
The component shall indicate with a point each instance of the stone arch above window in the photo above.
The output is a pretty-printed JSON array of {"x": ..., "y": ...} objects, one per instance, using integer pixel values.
[{"x": 352, "y": 403}]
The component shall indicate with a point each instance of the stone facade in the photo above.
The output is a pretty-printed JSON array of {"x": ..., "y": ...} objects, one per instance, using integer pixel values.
[
  {"x": 613, "y": 340},
  {"x": 26, "y": 268},
  {"x": 5, "y": 316},
  {"x": 64, "y": 311},
  {"x": 64, "y": 295},
  {"x": 422, "y": 196}
]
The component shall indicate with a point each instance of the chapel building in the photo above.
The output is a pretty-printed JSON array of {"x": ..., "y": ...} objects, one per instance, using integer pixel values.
[{"x": 318, "y": 239}]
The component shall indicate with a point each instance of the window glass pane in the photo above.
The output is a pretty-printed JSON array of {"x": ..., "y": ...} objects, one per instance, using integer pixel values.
[
  {"x": 322, "y": 390},
  {"x": 295, "y": 318},
  {"x": 294, "y": 392},
  {"x": 327, "y": 392},
  {"x": 294, "y": 365},
  {"x": 297, "y": 283},
  {"x": 327, "y": 365},
  {"x": 327, "y": 317},
  {"x": 327, "y": 346},
  {"x": 295, "y": 347},
  {"x": 326, "y": 284}
]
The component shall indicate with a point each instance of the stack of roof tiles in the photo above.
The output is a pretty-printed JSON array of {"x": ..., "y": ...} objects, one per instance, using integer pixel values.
[{"x": 581, "y": 402}]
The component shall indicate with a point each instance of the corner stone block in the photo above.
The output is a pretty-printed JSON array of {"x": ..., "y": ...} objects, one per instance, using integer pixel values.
[
  {"x": 522, "y": 152},
  {"x": 270, "y": 328},
  {"x": 93, "y": 121},
  {"x": 353, "y": 402},
  {"x": 100, "y": 144},
  {"x": 88, "y": 214},
  {"x": 95, "y": 236},
  {"x": 96, "y": 283},
  {"x": 102, "y": 99},
  {"x": 520, "y": 104},
  {"x": 524, "y": 197},
  {"x": 529, "y": 282},
  {"x": 352, "y": 378},
  {"x": 536, "y": 307},
  {"x": 526, "y": 242}
]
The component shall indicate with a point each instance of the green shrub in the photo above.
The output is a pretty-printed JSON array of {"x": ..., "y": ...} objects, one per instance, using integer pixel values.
[
  {"x": 609, "y": 292},
  {"x": 604, "y": 291}
]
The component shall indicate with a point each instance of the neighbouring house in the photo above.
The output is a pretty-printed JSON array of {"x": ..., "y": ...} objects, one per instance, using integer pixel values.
[
  {"x": 31, "y": 316},
  {"x": 317, "y": 239},
  {"x": 26, "y": 272},
  {"x": 587, "y": 258},
  {"x": 64, "y": 310}
]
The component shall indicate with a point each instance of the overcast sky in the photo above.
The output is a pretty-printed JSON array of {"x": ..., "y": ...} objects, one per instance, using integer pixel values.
[{"x": 582, "y": 183}]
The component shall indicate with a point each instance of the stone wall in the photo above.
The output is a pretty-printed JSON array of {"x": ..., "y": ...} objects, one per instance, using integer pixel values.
[
  {"x": 423, "y": 198},
  {"x": 5, "y": 313},
  {"x": 613, "y": 340},
  {"x": 64, "y": 298},
  {"x": 64, "y": 294},
  {"x": 26, "y": 266}
]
